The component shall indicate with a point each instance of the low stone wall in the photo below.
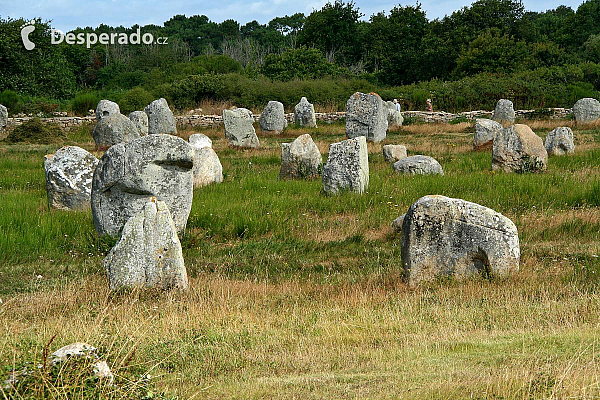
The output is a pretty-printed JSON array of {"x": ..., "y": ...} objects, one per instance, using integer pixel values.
[{"x": 203, "y": 121}]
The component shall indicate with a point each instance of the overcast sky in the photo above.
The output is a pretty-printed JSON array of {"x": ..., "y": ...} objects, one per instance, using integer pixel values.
[{"x": 69, "y": 14}]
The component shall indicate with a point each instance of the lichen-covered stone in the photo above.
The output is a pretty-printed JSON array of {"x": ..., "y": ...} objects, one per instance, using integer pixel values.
[
  {"x": 69, "y": 174},
  {"x": 149, "y": 252},
  {"x": 114, "y": 129},
  {"x": 445, "y": 237},
  {"x": 272, "y": 119},
  {"x": 207, "y": 166},
  {"x": 516, "y": 148},
  {"x": 304, "y": 114},
  {"x": 366, "y": 116},
  {"x": 394, "y": 116},
  {"x": 140, "y": 120},
  {"x": 586, "y": 110},
  {"x": 239, "y": 130},
  {"x": 160, "y": 118},
  {"x": 131, "y": 173},
  {"x": 504, "y": 112},
  {"x": 347, "y": 167},
  {"x": 100, "y": 368},
  {"x": 418, "y": 165},
  {"x": 485, "y": 132},
  {"x": 560, "y": 141},
  {"x": 394, "y": 152},
  {"x": 106, "y": 108},
  {"x": 300, "y": 159},
  {"x": 3, "y": 117},
  {"x": 199, "y": 140}
]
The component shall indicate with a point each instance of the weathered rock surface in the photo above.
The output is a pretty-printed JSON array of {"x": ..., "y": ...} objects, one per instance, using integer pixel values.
[
  {"x": 445, "y": 237},
  {"x": 149, "y": 252},
  {"x": 199, "y": 140},
  {"x": 272, "y": 119},
  {"x": 366, "y": 116},
  {"x": 114, "y": 129},
  {"x": 586, "y": 110},
  {"x": 517, "y": 148},
  {"x": 347, "y": 167},
  {"x": 394, "y": 152},
  {"x": 100, "y": 368},
  {"x": 300, "y": 159},
  {"x": 131, "y": 173},
  {"x": 140, "y": 120},
  {"x": 504, "y": 112},
  {"x": 207, "y": 167},
  {"x": 304, "y": 114},
  {"x": 160, "y": 118},
  {"x": 394, "y": 116},
  {"x": 485, "y": 132},
  {"x": 106, "y": 108},
  {"x": 418, "y": 165},
  {"x": 69, "y": 174},
  {"x": 3, "y": 117},
  {"x": 239, "y": 131},
  {"x": 560, "y": 141},
  {"x": 397, "y": 223}
]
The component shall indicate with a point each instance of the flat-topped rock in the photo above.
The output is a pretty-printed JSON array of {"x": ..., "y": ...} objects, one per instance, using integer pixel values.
[
  {"x": 347, "y": 167},
  {"x": 418, "y": 165},
  {"x": 366, "y": 116},
  {"x": 394, "y": 152}
]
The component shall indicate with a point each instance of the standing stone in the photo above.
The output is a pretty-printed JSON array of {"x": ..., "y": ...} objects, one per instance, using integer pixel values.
[
  {"x": 149, "y": 252},
  {"x": 207, "y": 167},
  {"x": 300, "y": 159},
  {"x": 504, "y": 112},
  {"x": 586, "y": 110},
  {"x": 485, "y": 132},
  {"x": 366, "y": 116},
  {"x": 114, "y": 129},
  {"x": 445, "y": 237},
  {"x": 394, "y": 117},
  {"x": 394, "y": 152},
  {"x": 517, "y": 148},
  {"x": 239, "y": 130},
  {"x": 131, "y": 173},
  {"x": 3, "y": 117},
  {"x": 69, "y": 174},
  {"x": 106, "y": 108},
  {"x": 560, "y": 142},
  {"x": 347, "y": 167},
  {"x": 304, "y": 114},
  {"x": 140, "y": 120},
  {"x": 160, "y": 118},
  {"x": 418, "y": 165},
  {"x": 272, "y": 119}
]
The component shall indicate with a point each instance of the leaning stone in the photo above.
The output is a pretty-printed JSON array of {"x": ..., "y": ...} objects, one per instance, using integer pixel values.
[
  {"x": 300, "y": 159},
  {"x": 239, "y": 130},
  {"x": 207, "y": 167},
  {"x": 304, "y": 114},
  {"x": 149, "y": 252},
  {"x": 347, "y": 167},
  {"x": 394, "y": 152},
  {"x": 106, "y": 108},
  {"x": 129, "y": 174},
  {"x": 114, "y": 129},
  {"x": 516, "y": 148},
  {"x": 504, "y": 112},
  {"x": 140, "y": 120},
  {"x": 560, "y": 142},
  {"x": 366, "y": 116},
  {"x": 445, "y": 237},
  {"x": 485, "y": 132},
  {"x": 160, "y": 118},
  {"x": 586, "y": 110},
  {"x": 199, "y": 140},
  {"x": 418, "y": 165},
  {"x": 394, "y": 116},
  {"x": 272, "y": 119},
  {"x": 69, "y": 174}
]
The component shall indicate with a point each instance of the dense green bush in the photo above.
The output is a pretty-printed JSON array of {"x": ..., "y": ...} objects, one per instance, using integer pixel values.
[
  {"x": 134, "y": 99},
  {"x": 34, "y": 131},
  {"x": 10, "y": 99},
  {"x": 84, "y": 102}
]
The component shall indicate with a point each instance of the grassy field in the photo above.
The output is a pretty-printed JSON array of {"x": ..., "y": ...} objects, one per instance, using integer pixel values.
[{"x": 297, "y": 295}]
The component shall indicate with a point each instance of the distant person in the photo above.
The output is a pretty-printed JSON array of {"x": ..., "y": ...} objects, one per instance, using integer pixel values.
[
  {"x": 429, "y": 106},
  {"x": 397, "y": 104}
]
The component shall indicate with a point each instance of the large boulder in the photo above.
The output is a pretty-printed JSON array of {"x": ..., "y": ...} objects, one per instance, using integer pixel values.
[
  {"x": 106, "y": 108},
  {"x": 366, "y": 116},
  {"x": 560, "y": 141},
  {"x": 445, "y": 237},
  {"x": 347, "y": 167},
  {"x": 304, "y": 114},
  {"x": 272, "y": 119},
  {"x": 504, "y": 112},
  {"x": 300, "y": 159},
  {"x": 207, "y": 167},
  {"x": 239, "y": 130},
  {"x": 418, "y": 165},
  {"x": 114, "y": 129},
  {"x": 140, "y": 120},
  {"x": 148, "y": 254},
  {"x": 586, "y": 110},
  {"x": 69, "y": 174},
  {"x": 394, "y": 152},
  {"x": 394, "y": 116},
  {"x": 160, "y": 118},
  {"x": 517, "y": 148},
  {"x": 131, "y": 173},
  {"x": 485, "y": 132}
]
